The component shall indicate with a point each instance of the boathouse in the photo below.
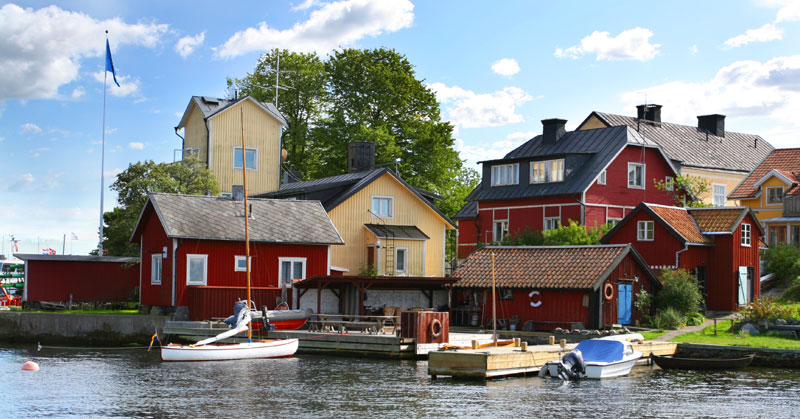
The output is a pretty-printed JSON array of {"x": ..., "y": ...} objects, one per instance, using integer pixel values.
[
  {"x": 544, "y": 287},
  {"x": 719, "y": 245},
  {"x": 193, "y": 250}
]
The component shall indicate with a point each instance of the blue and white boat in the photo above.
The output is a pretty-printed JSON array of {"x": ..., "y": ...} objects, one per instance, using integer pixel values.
[{"x": 612, "y": 356}]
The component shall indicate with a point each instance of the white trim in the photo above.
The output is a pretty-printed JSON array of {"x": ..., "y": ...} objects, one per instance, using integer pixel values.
[
  {"x": 491, "y": 174},
  {"x": 749, "y": 235},
  {"x": 405, "y": 260},
  {"x": 236, "y": 260},
  {"x": 644, "y": 175},
  {"x": 506, "y": 230},
  {"x": 339, "y": 269},
  {"x": 329, "y": 262},
  {"x": 776, "y": 174},
  {"x": 156, "y": 280},
  {"x": 174, "y": 272},
  {"x": 529, "y": 206},
  {"x": 209, "y": 154},
  {"x": 602, "y": 177},
  {"x": 643, "y": 238},
  {"x": 444, "y": 249},
  {"x": 390, "y": 198},
  {"x": 424, "y": 248},
  {"x": 293, "y": 260},
  {"x": 378, "y": 256},
  {"x": 246, "y": 149},
  {"x": 189, "y": 258},
  {"x": 544, "y": 222},
  {"x": 766, "y": 196}
]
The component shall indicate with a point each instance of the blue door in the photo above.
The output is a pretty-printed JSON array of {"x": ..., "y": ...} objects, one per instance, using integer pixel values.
[{"x": 625, "y": 299}]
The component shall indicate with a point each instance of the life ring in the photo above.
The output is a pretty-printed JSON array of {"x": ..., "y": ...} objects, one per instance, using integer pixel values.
[
  {"x": 436, "y": 328},
  {"x": 608, "y": 292},
  {"x": 535, "y": 303}
]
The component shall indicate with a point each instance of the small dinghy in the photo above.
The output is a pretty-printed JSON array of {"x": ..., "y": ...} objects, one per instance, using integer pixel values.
[
  {"x": 607, "y": 357},
  {"x": 671, "y": 362}
]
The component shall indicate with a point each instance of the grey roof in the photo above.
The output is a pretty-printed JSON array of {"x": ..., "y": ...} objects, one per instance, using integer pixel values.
[
  {"x": 396, "y": 232},
  {"x": 586, "y": 154},
  {"x": 210, "y": 106},
  {"x": 468, "y": 211},
  {"x": 217, "y": 218},
  {"x": 77, "y": 258},
  {"x": 696, "y": 147}
]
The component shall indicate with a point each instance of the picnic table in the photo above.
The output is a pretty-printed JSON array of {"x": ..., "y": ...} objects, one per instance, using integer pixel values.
[{"x": 340, "y": 323}]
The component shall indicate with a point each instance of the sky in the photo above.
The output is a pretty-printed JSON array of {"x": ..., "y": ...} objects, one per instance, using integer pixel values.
[{"x": 497, "y": 68}]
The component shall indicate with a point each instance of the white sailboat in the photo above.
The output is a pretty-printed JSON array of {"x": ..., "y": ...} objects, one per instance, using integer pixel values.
[{"x": 208, "y": 349}]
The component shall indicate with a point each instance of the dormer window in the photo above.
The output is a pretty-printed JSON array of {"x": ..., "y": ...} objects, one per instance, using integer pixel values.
[
  {"x": 775, "y": 195},
  {"x": 505, "y": 174},
  {"x": 547, "y": 171}
]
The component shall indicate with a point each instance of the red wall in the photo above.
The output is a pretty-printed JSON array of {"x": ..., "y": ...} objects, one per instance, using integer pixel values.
[
  {"x": 658, "y": 252},
  {"x": 467, "y": 237},
  {"x": 728, "y": 256},
  {"x": 87, "y": 281},
  {"x": 153, "y": 240},
  {"x": 616, "y": 191}
]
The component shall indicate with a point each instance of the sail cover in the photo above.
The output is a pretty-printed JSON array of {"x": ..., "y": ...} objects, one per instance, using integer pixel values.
[{"x": 595, "y": 350}]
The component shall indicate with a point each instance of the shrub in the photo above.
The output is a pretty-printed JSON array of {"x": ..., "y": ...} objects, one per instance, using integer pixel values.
[
  {"x": 575, "y": 234},
  {"x": 695, "y": 319},
  {"x": 767, "y": 309},
  {"x": 793, "y": 292},
  {"x": 369, "y": 270},
  {"x": 668, "y": 319},
  {"x": 526, "y": 237},
  {"x": 642, "y": 302},
  {"x": 680, "y": 292},
  {"x": 783, "y": 260}
]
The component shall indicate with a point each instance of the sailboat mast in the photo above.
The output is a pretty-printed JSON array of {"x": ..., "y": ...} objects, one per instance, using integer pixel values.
[{"x": 246, "y": 223}]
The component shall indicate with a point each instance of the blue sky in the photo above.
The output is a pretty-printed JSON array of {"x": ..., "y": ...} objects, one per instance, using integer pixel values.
[{"x": 498, "y": 68}]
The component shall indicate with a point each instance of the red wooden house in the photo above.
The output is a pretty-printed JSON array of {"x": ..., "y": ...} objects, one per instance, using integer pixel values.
[
  {"x": 193, "y": 250},
  {"x": 591, "y": 176},
  {"x": 556, "y": 286},
  {"x": 719, "y": 245}
]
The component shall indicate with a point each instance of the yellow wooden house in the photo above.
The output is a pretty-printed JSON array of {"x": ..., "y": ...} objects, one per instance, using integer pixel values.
[
  {"x": 772, "y": 190},
  {"x": 722, "y": 158},
  {"x": 212, "y": 130},
  {"x": 387, "y": 224}
]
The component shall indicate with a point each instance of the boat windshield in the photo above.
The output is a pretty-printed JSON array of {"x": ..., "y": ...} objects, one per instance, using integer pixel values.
[{"x": 601, "y": 350}]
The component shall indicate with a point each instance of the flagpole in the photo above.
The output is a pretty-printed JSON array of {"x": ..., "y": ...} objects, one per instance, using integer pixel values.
[{"x": 103, "y": 155}]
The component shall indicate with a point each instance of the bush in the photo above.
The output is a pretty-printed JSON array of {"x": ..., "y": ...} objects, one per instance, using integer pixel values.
[
  {"x": 695, "y": 319},
  {"x": 642, "y": 302},
  {"x": 680, "y": 292},
  {"x": 783, "y": 260},
  {"x": 668, "y": 319},
  {"x": 767, "y": 309},
  {"x": 369, "y": 270}
]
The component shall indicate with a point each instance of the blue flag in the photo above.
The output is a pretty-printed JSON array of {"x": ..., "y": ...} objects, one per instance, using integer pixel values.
[{"x": 110, "y": 63}]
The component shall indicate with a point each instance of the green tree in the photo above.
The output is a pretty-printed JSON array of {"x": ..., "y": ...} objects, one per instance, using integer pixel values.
[
  {"x": 685, "y": 190},
  {"x": 133, "y": 186},
  {"x": 680, "y": 292},
  {"x": 575, "y": 234},
  {"x": 783, "y": 260}
]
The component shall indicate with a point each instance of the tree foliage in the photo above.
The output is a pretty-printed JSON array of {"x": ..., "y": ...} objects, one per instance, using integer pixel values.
[
  {"x": 574, "y": 234},
  {"x": 133, "y": 186},
  {"x": 685, "y": 190},
  {"x": 783, "y": 260},
  {"x": 680, "y": 292}
]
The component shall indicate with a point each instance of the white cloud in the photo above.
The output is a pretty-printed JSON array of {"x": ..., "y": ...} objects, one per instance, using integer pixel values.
[
  {"x": 307, "y": 4},
  {"x": 632, "y": 44},
  {"x": 187, "y": 44},
  {"x": 127, "y": 85},
  {"x": 19, "y": 182},
  {"x": 36, "y": 153},
  {"x": 133, "y": 145},
  {"x": 112, "y": 173},
  {"x": 29, "y": 128},
  {"x": 694, "y": 49},
  {"x": 506, "y": 67},
  {"x": 334, "y": 24},
  {"x": 743, "y": 89},
  {"x": 768, "y": 32},
  {"x": 468, "y": 109},
  {"x": 495, "y": 150},
  {"x": 790, "y": 12},
  {"x": 42, "y": 50},
  {"x": 78, "y": 92}
]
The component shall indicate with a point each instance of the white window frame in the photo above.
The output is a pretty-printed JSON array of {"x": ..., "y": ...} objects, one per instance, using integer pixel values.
[
  {"x": 504, "y": 226},
  {"x": 669, "y": 183},
  {"x": 499, "y": 172},
  {"x": 642, "y": 230},
  {"x": 601, "y": 180},
  {"x": 615, "y": 221},
  {"x": 390, "y": 206},
  {"x": 404, "y": 269},
  {"x": 237, "y": 151},
  {"x": 717, "y": 197},
  {"x": 293, "y": 260},
  {"x": 767, "y": 197},
  {"x": 632, "y": 165},
  {"x": 548, "y": 220},
  {"x": 189, "y": 258},
  {"x": 746, "y": 235},
  {"x": 546, "y": 172},
  {"x": 155, "y": 276},
  {"x": 240, "y": 258}
]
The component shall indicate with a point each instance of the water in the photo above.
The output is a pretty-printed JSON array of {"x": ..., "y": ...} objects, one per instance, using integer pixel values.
[{"x": 131, "y": 383}]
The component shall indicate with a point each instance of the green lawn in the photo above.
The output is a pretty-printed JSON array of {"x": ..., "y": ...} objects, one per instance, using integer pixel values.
[
  {"x": 652, "y": 334},
  {"x": 87, "y": 311},
  {"x": 724, "y": 337}
]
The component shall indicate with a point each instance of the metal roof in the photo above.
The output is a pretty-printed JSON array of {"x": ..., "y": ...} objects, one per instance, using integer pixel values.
[
  {"x": 77, "y": 258},
  {"x": 468, "y": 211},
  {"x": 396, "y": 232},
  {"x": 210, "y": 106}
]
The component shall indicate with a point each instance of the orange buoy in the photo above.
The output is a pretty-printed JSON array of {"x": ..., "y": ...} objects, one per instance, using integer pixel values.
[{"x": 30, "y": 366}]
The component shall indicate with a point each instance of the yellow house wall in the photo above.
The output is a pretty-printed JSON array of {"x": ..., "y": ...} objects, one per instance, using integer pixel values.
[
  {"x": 593, "y": 123},
  {"x": 262, "y": 131},
  {"x": 195, "y": 134},
  {"x": 350, "y": 216},
  {"x": 760, "y": 206},
  {"x": 415, "y": 252},
  {"x": 730, "y": 180}
]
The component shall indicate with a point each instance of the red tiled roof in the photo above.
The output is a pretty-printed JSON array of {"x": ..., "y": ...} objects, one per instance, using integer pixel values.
[
  {"x": 782, "y": 159},
  {"x": 681, "y": 221},
  {"x": 716, "y": 220},
  {"x": 572, "y": 267}
]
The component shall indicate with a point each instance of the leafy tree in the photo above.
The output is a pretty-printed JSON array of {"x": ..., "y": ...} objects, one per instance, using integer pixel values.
[
  {"x": 133, "y": 186},
  {"x": 680, "y": 292},
  {"x": 685, "y": 190},
  {"x": 575, "y": 234},
  {"x": 783, "y": 260}
]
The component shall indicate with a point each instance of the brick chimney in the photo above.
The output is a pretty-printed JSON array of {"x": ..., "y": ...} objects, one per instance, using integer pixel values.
[
  {"x": 714, "y": 124},
  {"x": 552, "y": 130},
  {"x": 650, "y": 113}
]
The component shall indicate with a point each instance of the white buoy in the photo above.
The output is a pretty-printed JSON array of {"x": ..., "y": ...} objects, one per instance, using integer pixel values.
[{"x": 30, "y": 366}]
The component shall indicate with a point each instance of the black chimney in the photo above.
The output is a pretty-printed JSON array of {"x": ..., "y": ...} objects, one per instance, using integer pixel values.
[
  {"x": 552, "y": 130},
  {"x": 360, "y": 156},
  {"x": 650, "y": 113},
  {"x": 715, "y": 124}
]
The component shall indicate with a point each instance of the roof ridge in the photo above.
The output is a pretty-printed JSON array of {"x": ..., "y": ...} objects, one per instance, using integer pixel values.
[
  {"x": 673, "y": 123},
  {"x": 576, "y": 246}
]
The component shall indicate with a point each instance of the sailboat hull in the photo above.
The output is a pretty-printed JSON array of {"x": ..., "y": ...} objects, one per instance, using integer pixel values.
[{"x": 282, "y": 348}]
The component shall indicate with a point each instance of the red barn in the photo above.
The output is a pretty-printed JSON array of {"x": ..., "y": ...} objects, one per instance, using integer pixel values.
[
  {"x": 591, "y": 176},
  {"x": 193, "y": 250},
  {"x": 719, "y": 245},
  {"x": 555, "y": 286}
]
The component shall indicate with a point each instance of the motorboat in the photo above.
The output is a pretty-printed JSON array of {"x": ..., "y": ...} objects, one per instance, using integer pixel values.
[
  {"x": 607, "y": 357},
  {"x": 284, "y": 318},
  {"x": 673, "y": 362}
]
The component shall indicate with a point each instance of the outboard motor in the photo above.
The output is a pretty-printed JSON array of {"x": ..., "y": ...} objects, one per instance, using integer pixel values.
[
  {"x": 237, "y": 309},
  {"x": 571, "y": 365}
]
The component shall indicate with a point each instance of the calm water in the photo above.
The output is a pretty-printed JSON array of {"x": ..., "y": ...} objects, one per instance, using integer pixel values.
[{"x": 135, "y": 384}]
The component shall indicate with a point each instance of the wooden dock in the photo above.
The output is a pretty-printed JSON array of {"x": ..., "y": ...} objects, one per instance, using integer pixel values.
[{"x": 512, "y": 360}]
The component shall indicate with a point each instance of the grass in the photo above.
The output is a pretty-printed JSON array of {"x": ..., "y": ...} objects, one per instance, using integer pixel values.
[
  {"x": 650, "y": 335},
  {"x": 724, "y": 337},
  {"x": 85, "y": 311}
]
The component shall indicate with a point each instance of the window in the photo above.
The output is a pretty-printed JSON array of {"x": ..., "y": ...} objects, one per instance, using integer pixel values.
[
  {"x": 719, "y": 195},
  {"x": 777, "y": 234},
  {"x": 155, "y": 269},
  {"x": 552, "y": 223},
  {"x": 250, "y": 157},
  {"x": 745, "y": 234},
  {"x": 382, "y": 206},
  {"x": 669, "y": 183},
  {"x": 613, "y": 221},
  {"x": 547, "y": 171},
  {"x": 500, "y": 230},
  {"x": 191, "y": 152},
  {"x": 644, "y": 231},
  {"x": 291, "y": 268},
  {"x": 775, "y": 195},
  {"x": 401, "y": 260},
  {"x": 636, "y": 175},
  {"x": 240, "y": 265},
  {"x": 196, "y": 269},
  {"x": 505, "y": 174},
  {"x": 601, "y": 180}
]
